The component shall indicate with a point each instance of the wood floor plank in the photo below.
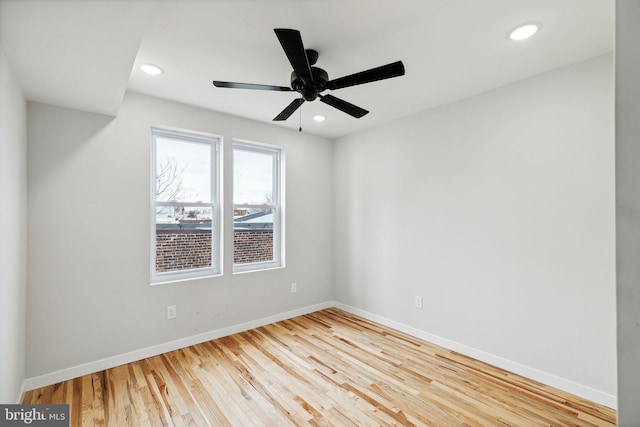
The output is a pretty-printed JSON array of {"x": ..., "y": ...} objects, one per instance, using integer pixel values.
[{"x": 328, "y": 368}]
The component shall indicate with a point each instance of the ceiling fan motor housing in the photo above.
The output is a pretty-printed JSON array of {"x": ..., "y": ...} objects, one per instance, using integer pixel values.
[{"x": 310, "y": 88}]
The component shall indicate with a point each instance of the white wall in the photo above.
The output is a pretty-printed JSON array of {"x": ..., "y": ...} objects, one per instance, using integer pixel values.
[
  {"x": 628, "y": 208},
  {"x": 89, "y": 183},
  {"x": 13, "y": 233},
  {"x": 499, "y": 211}
]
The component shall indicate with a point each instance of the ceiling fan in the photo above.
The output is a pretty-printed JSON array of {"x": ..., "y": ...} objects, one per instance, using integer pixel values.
[{"x": 311, "y": 81}]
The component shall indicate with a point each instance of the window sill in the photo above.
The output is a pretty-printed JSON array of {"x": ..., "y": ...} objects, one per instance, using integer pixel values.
[
  {"x": 170, "y": 280},
  {"x": 252, "y": 268}
]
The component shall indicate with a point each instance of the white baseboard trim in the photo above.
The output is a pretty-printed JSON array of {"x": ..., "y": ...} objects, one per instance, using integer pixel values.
[
  {"x": 143, "y": 353},
  {"x": 581, "y": 390},
  {"x": 121, "y": 359}
]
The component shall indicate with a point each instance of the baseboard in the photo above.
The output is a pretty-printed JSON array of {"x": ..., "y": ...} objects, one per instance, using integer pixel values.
[
  {"x": 583, "y": 391},
  {"x": 121, "y": 359}
]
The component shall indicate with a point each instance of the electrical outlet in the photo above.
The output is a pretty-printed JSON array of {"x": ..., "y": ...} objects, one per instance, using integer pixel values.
[
  {"x": 418, "y": 302},
  {"x": 171, "y": 312},
  {"x": 294, "y": 287}
]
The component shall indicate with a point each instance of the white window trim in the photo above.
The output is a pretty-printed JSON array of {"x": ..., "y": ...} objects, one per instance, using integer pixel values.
[
  {"x": 277, "y": 204},
  {"x": 215, "y": 141}
]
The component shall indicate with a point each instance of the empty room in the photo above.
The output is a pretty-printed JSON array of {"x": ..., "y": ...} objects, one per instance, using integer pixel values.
[{"x": 319, "y": 212}]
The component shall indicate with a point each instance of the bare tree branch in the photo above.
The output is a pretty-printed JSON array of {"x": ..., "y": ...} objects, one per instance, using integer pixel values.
[{"x": 169, "y": 181}]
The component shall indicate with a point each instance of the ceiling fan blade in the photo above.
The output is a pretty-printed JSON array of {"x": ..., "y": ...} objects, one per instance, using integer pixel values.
[
  {"x": 291, "y": 42},
  {"x": 291, "y": 108},
  {"x": 344, "y": 106},
  {"x": 235, "y": 85},
  {"x": 388, "y": 71}
]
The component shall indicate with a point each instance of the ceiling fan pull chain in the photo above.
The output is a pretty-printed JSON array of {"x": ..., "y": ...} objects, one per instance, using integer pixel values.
[{"x": 300, "y": 121}]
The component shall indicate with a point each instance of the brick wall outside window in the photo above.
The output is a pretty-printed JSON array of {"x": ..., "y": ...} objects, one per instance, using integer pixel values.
[
  {"x": 182, "y": 249},
  {"x": 189, "y": 249},
  {"x": 252, "y": 245}
]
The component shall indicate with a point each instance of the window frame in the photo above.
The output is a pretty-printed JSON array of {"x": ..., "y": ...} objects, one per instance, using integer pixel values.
[
  {"x": 215, "y": 142},
  {"x": 277, "y": 204}
]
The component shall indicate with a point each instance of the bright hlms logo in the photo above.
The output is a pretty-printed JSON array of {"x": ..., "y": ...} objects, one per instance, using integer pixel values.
[
  {"x": 38, "y": 415},
  {"x": 27, "y": 416}
]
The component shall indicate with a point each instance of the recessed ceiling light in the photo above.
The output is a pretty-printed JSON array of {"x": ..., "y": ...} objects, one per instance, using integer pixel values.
[
  {"x": 524, "y": 31},
  {"x": 319, "y": 118},
  {"x": 151, "y": 69}
]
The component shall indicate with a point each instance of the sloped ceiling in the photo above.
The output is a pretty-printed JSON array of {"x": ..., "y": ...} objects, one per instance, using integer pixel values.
[
  {"x": 86, "y": 54},
  {"x": 71, "y": 53}
]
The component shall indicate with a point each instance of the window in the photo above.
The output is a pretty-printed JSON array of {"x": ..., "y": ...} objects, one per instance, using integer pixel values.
[
  {"x": 185, "y": 213},
  {"x": 257, "y": 207}
]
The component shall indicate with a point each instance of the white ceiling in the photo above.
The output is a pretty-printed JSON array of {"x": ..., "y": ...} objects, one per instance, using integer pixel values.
[{"x": 86, "y": 54}]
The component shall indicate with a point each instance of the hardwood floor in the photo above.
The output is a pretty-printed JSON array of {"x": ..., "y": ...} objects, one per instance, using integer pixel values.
[{"x": 328, "y": 368}]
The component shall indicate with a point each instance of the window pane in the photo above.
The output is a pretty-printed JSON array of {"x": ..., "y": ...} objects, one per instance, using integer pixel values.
[
  {"x": 257, "y": 227},
  {"x": 183, "y": 238},
  {"x": 253, "y": 235},
  {"x": 252, "y": 177},
  {"x": 185, "y": 215},
  {"x": 183, "y": 171}
]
